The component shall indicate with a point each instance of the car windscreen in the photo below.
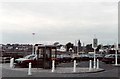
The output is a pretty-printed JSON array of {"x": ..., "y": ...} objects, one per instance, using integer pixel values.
[
  {"x": 29, "y": 57},
  {"x": 110, "y": 56}
]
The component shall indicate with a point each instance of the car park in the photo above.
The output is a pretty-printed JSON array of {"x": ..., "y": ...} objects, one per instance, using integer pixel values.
[
  {"x": 87, "y": 57},
  {"x": 110, "y": 58},
  {"x": 97, "y": 56}
]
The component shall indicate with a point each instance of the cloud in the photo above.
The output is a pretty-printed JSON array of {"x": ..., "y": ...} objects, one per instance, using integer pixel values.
[
  {"x": 59, "y": 0},
  {"x": 61, "y": 21}
]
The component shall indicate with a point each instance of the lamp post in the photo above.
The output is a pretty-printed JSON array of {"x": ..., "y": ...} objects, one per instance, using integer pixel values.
[
  {"x": 33, "y": 43},
  {"x": 116, "y": 48},
  {"x": 95, "y": 41},
  {"x": 75, "y": 47},
  {"x": 94, "y": 65}
]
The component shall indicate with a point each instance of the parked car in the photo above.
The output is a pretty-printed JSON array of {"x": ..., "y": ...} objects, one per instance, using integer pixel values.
[
  {"x": 97, "y": 56},
  {"x": 66, "y": 58},
  {"x": 110, "y": 58},
  {"x": 6, "y": 59},
  {"x": 87, "y": 57},
  {"x": 24, "y": 62},
  {"x": 7, "y": 56},
  {"x": 76, "y": 57},
  {"x": 81, "y": 57},
  {"x": 84, "y": 57},
  {"x": 59, "y": 58}
]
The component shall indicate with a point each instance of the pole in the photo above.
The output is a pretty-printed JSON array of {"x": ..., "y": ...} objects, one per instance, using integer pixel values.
[
  {"x": 116, "y": 61},
  {"x": 74, "y": 68},
  {"x": 33, "y": 43},
  {"x": 53, "y": 65},
  {"x": 36, "y": 48},
  {"x": 29, "y": 70},
  {"x": 90, "y": 65},
  {"x": 83, "y": 47},
  {"x": 75, "y": 47},
  {"x": 95, "y": 41},
  {"x": 94, "y": 65}
]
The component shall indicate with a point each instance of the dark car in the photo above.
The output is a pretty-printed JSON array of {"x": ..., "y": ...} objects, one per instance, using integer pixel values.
[
  {"x": 66, "y": 58},
  {"x": 84, "y": 57},
  {"x": 111, "y": 58},
  {"x": 36, "y": 62},
  {"x": 24, "y": 62},
  {"x": 97, "y": 56},
  {"x": 59, "y": 59},
  {"x": 81, "y": 57},
  {"x": 6, "y": 59},
  {"x": 7, "y": 56}
]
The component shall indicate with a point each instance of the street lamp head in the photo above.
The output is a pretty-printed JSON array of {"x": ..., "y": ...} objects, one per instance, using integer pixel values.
[{"x": 33, "y": 33}]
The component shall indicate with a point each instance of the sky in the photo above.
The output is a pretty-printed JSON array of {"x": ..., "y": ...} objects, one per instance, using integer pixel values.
[{"x": 58, "y": 21}]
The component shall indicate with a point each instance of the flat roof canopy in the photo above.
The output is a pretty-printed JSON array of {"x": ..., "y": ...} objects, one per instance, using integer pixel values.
[{"x": 47, "y": 46}]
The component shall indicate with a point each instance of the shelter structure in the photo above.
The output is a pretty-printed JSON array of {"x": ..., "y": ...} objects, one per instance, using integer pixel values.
[{"x": 46, "y": 53}]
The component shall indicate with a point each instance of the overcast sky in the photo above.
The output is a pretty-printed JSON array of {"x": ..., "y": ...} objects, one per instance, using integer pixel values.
[{"x": 62, "y": 21}]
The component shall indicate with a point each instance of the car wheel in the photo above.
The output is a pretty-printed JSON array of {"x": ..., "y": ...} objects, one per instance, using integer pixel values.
[
  {"x": 107, "y": 62},
  {"x": 113, "y": 62}
]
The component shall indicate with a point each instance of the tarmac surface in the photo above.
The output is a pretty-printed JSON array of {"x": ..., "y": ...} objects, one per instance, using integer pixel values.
[{"x": 110, "y": 71}]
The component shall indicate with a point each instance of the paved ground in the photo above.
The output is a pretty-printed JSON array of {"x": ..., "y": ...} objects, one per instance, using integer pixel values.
[
  {"x": 0, "y": 71},
  {"x": 110, "y": 71}
]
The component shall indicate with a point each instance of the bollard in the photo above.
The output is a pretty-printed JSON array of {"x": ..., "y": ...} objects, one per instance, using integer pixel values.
[
  {"x": 11, "y": 62},
  {"x": 90, "y": 65},
  {"x": 53, "y": 65},
  {"x": 29, "y": 70},
  {"x": 74, "y": 68},
  {"x": 97, "y": 63}
]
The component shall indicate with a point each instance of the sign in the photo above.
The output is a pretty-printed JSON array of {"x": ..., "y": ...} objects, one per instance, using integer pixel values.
[{"x": 95, "y": 42}]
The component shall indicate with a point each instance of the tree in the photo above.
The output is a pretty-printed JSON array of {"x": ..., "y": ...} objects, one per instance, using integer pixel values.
[
  {"x": 56, "y": 43},
  {"x": 69, "y": 45},
  {"x": 98, "y": 47},
  {"x": 89, "y": 48},
  {"x": 79, "y": 45}
]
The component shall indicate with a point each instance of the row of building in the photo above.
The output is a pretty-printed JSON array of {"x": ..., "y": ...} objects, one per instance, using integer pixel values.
[{"x": 25, "y": 49}]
